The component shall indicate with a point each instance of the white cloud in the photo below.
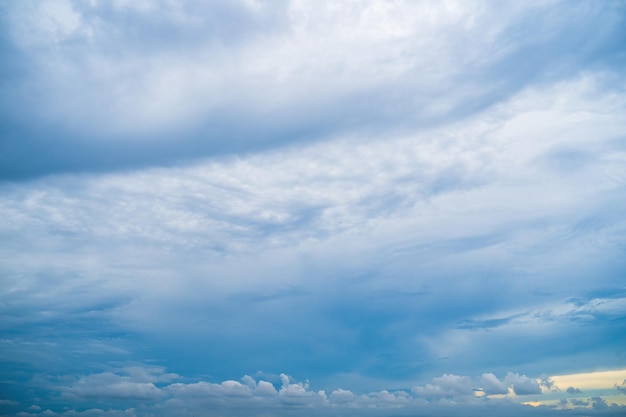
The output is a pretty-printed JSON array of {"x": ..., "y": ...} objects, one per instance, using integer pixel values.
[
  {"x": 478, "y": 195},
  {"x": 265, "y": 388},
  {"x": 298, "y": 60},
  {"x": 341, "y": 396},
  {"x": 205, "y": 389},
  {"x": 443, "y": 224},
  {"x": 464, "y": 388},
  {"x": 109, "y": 386},
  {"x": 447, "y": 386},
  {"x": 132, "y": 383}
]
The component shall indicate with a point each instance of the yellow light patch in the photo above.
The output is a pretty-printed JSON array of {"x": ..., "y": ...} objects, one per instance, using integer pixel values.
[{"x": 590, "y": 380}]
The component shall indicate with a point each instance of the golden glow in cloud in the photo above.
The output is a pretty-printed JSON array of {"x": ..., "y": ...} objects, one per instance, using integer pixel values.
[{"x": 590, "y": 380}]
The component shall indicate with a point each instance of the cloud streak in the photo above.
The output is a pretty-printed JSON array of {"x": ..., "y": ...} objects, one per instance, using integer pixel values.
[{"x": 179, "y": 79}]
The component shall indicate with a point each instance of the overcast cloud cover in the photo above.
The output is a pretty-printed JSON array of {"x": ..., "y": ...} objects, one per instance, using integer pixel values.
[{"x": 312, "y": 208}]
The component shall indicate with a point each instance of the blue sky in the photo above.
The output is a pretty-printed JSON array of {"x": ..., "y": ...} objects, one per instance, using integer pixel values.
[{"x": 296, "y": 208}]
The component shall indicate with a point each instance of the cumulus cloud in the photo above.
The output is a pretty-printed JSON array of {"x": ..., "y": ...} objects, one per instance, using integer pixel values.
[
  {"x": 457, "y": 387},
  {"x": 204, "y": 389},
  {"x": 109, "y": 386},
  {"x": 341, "y": 396},
  {"x": 491, "y": 385},
  {"x": 446, "y": 386},
  {"x": 117, "y": 389},
  {"x": 521, "y": 384},
  {"x": 578, "y": 403},
  {"x": 132, "y": 383},
  {"x": 229, "y": 394},
  {"x": 598, "y": 403}
]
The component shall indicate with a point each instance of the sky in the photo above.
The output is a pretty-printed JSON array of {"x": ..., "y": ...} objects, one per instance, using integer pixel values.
[{"x": 312, "y": 208}]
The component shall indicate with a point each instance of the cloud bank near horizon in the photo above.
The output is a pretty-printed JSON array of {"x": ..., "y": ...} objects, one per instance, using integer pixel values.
[{"x": 149, "y": 389}]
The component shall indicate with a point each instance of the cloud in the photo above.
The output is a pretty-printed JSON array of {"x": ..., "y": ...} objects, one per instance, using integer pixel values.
[
  {"x": 136, "y": 383},
  {"x": 446, "y": 386},
  {"x": 363, "y": 239},
  {"x": 175, "y": 85},
  {"x": 462, "y": 387},
  {"x": 598, "y": 403},
  {"x": 258, "y": 397},
  {"x": 341, "y": 396},
  {"x": 109, "y": 386},
  {"x": 521, "y": 384},
  {"x": 491, "y": 385},
  {"x": 579, "y": 403},
  {"x": 4, "y": 402},
  {"x": 205, "y": 389},
  {"x": 572, "y": 390},
  {"x": 365, "y": 195}
]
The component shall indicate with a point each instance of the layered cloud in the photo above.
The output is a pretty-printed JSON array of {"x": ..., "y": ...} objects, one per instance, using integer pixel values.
[
  {"x": 405, "y": 256},
  {"x": 118, "y": 85},
  {"x": 405, "y": 206}
]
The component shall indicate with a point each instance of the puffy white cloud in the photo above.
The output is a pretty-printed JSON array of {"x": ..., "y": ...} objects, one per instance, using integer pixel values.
[
  {"x": 109, "y": 386},
  {"x": 265, "y": 388},
  {"x": 341, "y": 396},
  {"x": 205, "y": 389},
  {"x": 298, "y": 394},
  {"x": 456, "y": 387},
  {"x": 132, "y": 383},
  {"x": 447, "y": 386}
]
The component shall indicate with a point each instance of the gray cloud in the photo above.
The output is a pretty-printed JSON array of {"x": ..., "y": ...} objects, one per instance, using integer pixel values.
[
  {"x": 146, "y": 85},
  {"x": 462, "y": 387},
  {"x": 334, "y": 231},
  {"x": 578, "y": 403},
  {"x": 491, "y": 385},
  {"x": 446, "y": 386},
  {"x": 598, "y": 403},
  {"x": 256, "y": 396},
  {"x": 395, "y": 191},
  {"x": 521, "y": 384}
]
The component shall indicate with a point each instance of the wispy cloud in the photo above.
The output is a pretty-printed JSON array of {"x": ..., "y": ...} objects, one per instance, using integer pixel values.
[{"x": 113, "y": 85}]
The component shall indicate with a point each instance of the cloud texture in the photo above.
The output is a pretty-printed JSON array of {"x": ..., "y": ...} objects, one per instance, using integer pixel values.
[{"x": 404, "y": 206}]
